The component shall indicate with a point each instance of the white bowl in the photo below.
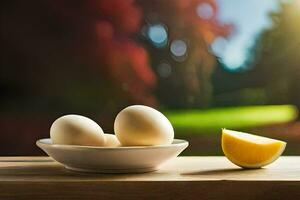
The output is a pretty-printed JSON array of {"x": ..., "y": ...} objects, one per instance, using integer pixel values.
[{"x": 131, "y": 159}]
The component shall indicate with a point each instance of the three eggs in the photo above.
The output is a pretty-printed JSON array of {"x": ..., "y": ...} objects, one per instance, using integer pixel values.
[{"x": 135, "y": 125}]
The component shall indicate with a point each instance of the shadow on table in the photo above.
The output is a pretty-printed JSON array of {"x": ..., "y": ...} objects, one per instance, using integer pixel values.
[{"x": 219, "y": 171}]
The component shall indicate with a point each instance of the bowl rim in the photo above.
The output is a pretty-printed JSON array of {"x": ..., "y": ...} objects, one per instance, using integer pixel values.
[{"x": 42, "y": 143}]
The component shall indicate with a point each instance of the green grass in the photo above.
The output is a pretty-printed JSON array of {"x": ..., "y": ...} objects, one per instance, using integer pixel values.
[{"x": 201, "y": 121}]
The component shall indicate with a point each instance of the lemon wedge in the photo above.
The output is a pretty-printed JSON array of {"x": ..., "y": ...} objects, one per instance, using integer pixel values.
[{"x": 250, "y": 151}]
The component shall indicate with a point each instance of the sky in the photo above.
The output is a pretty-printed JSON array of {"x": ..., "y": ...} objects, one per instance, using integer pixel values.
[{"x": 249, "y": 18}]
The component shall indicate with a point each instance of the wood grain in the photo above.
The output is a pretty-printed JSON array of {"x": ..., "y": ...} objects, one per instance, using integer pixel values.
[{"x": 180, "y": 178}]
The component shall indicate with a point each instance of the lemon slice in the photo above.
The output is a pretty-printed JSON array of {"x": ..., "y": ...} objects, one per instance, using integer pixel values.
[{"x": 250, "y": 151}]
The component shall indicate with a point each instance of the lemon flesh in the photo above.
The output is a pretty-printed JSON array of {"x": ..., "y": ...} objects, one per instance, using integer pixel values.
[{"x": 250, "y": 151}]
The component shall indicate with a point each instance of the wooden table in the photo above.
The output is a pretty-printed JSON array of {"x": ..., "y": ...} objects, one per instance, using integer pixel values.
[{"x": 182, "y": 178}]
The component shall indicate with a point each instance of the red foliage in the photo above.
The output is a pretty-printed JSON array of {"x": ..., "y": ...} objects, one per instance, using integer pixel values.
[
  {"x": 113, "y": 22},
  {"x": 124, "y": 15},
  {"x": 111, "y": 25}
]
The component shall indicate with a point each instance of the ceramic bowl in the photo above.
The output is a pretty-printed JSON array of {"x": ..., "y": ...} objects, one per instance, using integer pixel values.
[{"x": 131, "y": 159}]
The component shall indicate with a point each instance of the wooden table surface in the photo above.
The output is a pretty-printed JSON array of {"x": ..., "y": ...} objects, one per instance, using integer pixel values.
[{"x": 181, "y": 178}]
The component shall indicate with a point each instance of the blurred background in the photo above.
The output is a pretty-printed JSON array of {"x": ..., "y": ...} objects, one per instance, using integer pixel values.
[{"x": 206, "y": 64}]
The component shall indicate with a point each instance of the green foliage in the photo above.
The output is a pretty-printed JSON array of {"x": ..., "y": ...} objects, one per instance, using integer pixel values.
[
  {"x": 199, "y": 121},
  {"x": 271, "y": 75},
  {"x": 276, "y": 56}
]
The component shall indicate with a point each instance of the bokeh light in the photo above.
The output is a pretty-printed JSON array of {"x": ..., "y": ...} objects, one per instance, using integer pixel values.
[
  {"x": 164, "y": 70},
  {"x": 158, "y": 35},
  {"x": 205, "y": 11},
  {"x": 218, "y": 46},
  {"x": 178, "y": 49}
]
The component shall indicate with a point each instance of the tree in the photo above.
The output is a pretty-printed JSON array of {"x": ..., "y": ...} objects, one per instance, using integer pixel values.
[
  {"x": 87, "y": 57},
  {"x": 273, "y": 65},
  {"x": 191, "y": 26},
  {"x": 276, "y": 56}
]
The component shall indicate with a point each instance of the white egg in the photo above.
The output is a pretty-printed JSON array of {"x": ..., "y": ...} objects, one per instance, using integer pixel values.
[
  {"x": 142, "y": 125},
  {"x": 111, "y": 140},
  {"x": 76, "y": 130}
]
